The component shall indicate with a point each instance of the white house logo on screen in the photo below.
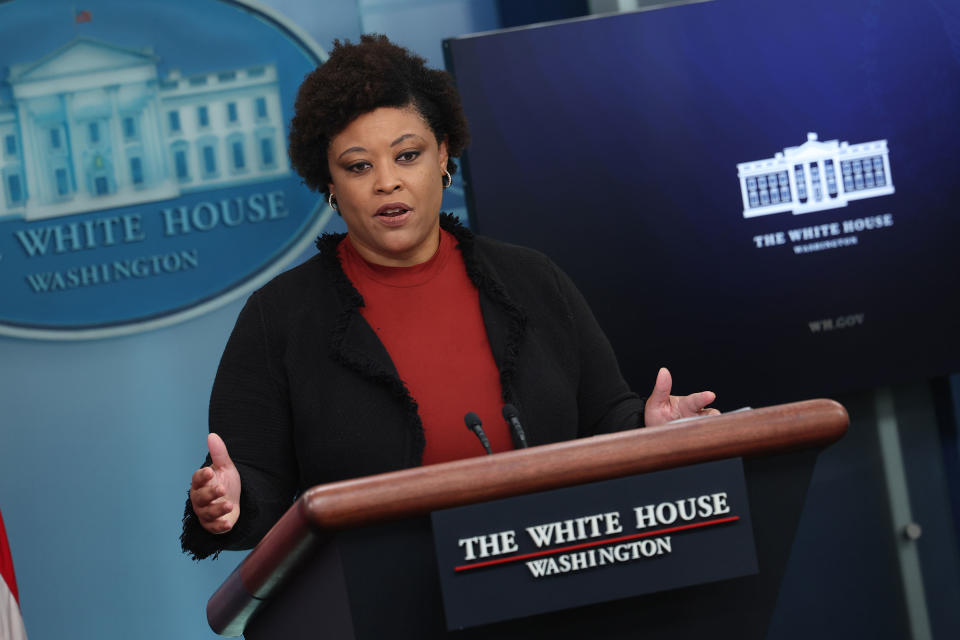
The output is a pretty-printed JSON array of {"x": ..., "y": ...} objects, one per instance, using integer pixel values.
[
  {"x": 815, "y": 176},
  {"x": 143, "y": 169}
]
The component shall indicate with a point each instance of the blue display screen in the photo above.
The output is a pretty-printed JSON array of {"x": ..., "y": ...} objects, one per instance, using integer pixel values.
[{"x": 761, "y": 195}]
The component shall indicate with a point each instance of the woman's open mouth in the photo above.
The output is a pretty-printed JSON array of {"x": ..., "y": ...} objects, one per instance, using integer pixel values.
[{"x": 394, "y": 213}]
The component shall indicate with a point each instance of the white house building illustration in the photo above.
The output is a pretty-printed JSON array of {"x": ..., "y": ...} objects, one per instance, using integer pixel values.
[
  {"x": 92, "y": 126},
  {"x": 815, "y": 176}
]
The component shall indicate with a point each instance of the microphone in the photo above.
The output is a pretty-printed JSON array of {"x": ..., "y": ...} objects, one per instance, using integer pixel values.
[
  {"x": 512, "y": 416},
  {"x": 474, "y": 424}
]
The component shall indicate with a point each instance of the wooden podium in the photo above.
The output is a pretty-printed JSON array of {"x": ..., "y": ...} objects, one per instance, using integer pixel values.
[{"x": 354, "y": 559}]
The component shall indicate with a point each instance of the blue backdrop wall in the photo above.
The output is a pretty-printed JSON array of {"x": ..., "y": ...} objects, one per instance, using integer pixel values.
[{"x": 98, "y": 438}]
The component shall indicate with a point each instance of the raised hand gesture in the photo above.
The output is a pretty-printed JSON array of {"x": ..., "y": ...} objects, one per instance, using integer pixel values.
[
  {"x": 662, "y": 407},
  {"x": 215, "y": 490}
]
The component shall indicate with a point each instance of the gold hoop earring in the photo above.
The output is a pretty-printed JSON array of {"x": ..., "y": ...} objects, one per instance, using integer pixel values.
[
  {"x": 332, "y": 202},
  {"x": 447, "y": 179}
]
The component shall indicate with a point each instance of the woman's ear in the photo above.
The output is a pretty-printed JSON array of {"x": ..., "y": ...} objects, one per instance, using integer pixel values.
[{"x": 444, "y": 156}]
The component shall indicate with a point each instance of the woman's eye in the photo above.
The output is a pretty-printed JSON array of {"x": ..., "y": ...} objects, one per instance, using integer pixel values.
[
  {"x": 358, "y": 167},
  {"x": 408, "y": 156}
]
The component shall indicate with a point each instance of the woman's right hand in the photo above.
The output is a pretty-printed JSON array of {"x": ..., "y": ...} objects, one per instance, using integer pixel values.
[{"x": 215, "y": 490}]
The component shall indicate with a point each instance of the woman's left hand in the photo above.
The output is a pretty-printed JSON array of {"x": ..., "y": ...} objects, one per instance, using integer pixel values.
[{"x": 662, "y": 407}]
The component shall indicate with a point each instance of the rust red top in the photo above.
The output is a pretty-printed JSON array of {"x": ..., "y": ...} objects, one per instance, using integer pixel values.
[{"x": 448, "y": 373}]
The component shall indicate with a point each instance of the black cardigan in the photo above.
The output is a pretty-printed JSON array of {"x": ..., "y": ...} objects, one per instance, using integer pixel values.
[{"x": 306, "y": 394}]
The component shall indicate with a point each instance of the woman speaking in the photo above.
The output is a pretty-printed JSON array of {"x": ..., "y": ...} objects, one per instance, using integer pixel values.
[{"x": 365, "y": 358}]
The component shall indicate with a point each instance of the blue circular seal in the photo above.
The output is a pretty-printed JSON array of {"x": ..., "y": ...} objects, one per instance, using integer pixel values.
[{"x": 144, "y": 177}]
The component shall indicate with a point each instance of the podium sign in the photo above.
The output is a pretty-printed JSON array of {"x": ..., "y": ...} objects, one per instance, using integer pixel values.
[
  {"x": 552, "y": 527},
  {"x": 592, "y": 543}
]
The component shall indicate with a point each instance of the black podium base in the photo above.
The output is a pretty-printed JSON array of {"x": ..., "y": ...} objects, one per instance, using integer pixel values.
[{"x": 381, "y": 582}]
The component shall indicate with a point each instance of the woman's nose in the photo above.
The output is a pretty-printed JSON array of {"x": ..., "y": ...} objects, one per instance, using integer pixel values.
[{"x": 387, "y": 180}]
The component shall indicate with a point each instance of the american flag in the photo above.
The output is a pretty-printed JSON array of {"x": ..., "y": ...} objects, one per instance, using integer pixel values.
[
  {"x": 11, "y": 622},
  {"x": 80, "y": 16}
]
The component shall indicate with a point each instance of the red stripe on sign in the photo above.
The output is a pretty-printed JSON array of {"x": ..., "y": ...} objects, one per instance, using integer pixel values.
[{"x": 596, "y": 543}]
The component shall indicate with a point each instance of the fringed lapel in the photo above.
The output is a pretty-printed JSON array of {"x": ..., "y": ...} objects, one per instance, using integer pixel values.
[
  {"x": 504, "y": 319},
  {"x": 356, "y": 346}
]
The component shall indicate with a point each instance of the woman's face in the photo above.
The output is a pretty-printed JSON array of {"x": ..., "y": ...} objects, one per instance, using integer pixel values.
[{"x": 387, "y": 176}]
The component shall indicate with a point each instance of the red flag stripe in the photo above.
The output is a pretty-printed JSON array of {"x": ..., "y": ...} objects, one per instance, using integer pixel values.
[
  {"x": 11, "y": 622},
  {"x": 6, "y": 562}
]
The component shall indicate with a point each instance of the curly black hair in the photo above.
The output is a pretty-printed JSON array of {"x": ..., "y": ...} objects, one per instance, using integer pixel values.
[{"x": 357, "y": 79}]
